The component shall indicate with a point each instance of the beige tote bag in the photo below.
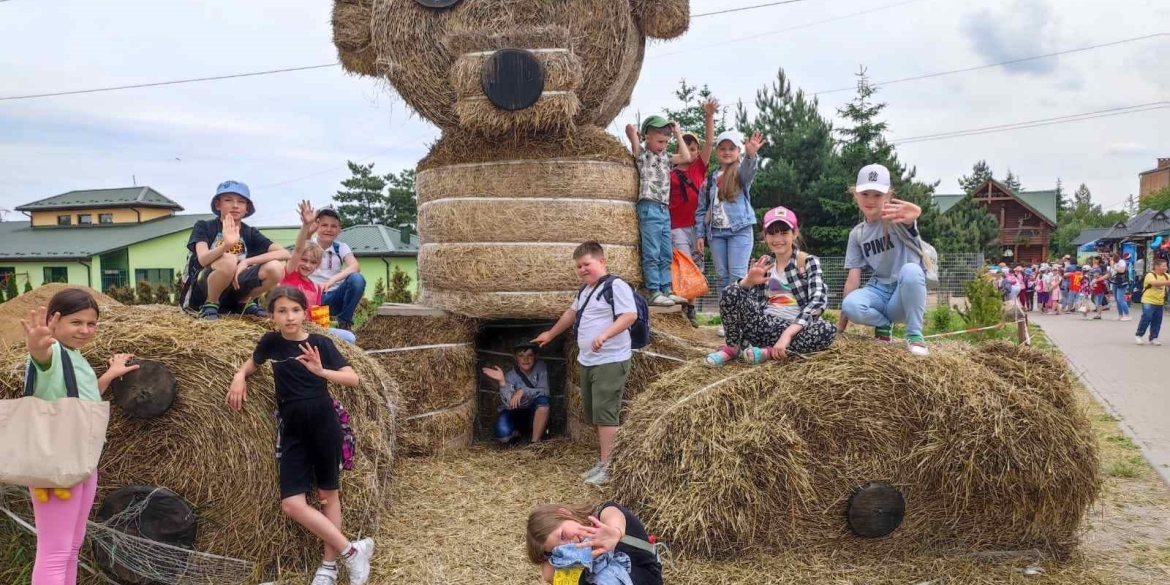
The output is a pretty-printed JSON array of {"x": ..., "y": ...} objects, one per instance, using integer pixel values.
[{"x": 51, "y": 443}]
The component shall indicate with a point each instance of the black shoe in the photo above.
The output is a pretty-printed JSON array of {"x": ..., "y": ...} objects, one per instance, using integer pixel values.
[
  {"x": 209, "y": 312},
  {"x": 253, "y": 310},
  {"x": 345, "y": 325},
  {"x": 689, "y": 311}
]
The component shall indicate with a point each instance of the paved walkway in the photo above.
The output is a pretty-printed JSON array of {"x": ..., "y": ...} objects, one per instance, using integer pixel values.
[{"x": 1131, "y": 382}]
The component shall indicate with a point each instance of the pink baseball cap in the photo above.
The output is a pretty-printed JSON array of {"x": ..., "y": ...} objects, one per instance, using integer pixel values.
[{"x": 782, "y": 214}]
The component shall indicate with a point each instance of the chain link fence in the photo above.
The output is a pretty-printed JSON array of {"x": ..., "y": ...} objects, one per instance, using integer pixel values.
[{"x": 955, "y": 271}]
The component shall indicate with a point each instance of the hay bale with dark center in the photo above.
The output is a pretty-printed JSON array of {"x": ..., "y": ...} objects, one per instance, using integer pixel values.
[
  {"x": 742, "y": 459},
  {"x": 434, "y": 361},
  {"x": 561, "y": 69},
  {"x": 548, "y": 153},
  {"x": 13, "y": 310},
  {"x": 220, "y": 461}
]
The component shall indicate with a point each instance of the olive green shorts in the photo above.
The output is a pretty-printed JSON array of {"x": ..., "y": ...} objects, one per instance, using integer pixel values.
[{"x": 602, "y": 387}]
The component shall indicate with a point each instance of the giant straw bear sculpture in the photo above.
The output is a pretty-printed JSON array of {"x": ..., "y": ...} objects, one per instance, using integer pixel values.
[{"x": 524, "y": 170}]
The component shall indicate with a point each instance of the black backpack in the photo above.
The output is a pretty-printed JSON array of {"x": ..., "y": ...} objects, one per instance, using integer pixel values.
[{"x": 639, "y": 331}]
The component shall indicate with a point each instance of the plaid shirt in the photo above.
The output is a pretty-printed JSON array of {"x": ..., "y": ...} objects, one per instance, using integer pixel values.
[{"x": 809, "y": 289}]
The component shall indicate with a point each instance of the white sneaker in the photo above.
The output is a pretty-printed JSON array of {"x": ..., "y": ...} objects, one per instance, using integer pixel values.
[
  {"x": 918, "y": 349},
  {"x": 660, "y": 300},
  {"x": 1155, "y": 342},
  {"x": 599, "y": 478},
  {"x": 324, "y": 576},
  {"x": 1139, "y": 341},
  {"x": 677, "y": 299},
  {"x": 358, "y": 564},
  {"x": 592, "y": 471},
  {"x": 722, "y": 331}
]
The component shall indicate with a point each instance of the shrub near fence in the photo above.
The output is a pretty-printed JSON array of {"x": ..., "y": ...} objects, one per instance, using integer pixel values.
[{"x": 954, "y": 272}]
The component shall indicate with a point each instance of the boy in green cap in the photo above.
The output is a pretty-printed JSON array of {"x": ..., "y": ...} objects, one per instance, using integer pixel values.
[{"x": 654, "y": 164}]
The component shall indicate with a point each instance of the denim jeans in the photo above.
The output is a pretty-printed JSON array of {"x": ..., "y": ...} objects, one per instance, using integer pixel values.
[
  {"x": 1151, "y": 318},
  {"x": 879, "y": 305},
  {"x": 1122, "y": 306},
  {"x": 520, "y": 419},
  {"x": 657, "y": 250},
  {"x": 731, "y": 250},
  {"x": 343, "y": 299}
]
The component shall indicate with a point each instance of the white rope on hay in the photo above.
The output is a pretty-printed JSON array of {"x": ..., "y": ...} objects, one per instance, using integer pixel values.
[
  {"x": 416, "y": 348},
  {"x": 702, "y": 390},
  {"x": 538, "y": 51},
  {"x": 438, "y": 412},
  {"x": 541, "y": 161},
  {"x": 659, "y": 355},
  {"x": 535, "y": 244},
  {"x": 159, "y": 562},
  {"x": 542, "y": 94},
  {"x": 673, "y": 338},
  {"x": 621, "y": 202}
]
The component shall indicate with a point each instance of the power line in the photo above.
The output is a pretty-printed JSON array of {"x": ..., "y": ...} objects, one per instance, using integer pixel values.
[
  {"x": 745, "y": 8},
  {"x": 1135, "y": 109},
  {"x": 161, "y": 83},
  {"x": 1000, "y": 64},
  {"x": 405, "y": 143},
  {"x": 783, "y": 30}
]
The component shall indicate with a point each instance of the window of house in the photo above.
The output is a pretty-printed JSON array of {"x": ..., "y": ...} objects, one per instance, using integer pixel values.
[
  {"x": 84, "y": 219},
  {"x": 56, "y": 274},
  {"x": 105, "y": 218},
  {"x": 6, "y": 272},
  {"x": 155, "y": 276},
  {"x": 64, "y": 220}
]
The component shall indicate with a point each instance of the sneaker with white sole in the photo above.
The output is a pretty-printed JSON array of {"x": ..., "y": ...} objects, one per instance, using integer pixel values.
[
  {"x": 722, "y": 332},
  {"x": 1139, "y": 341},
  {"x": 600, "y": 478},
  {"x": 660, "y": 300},
  {"x": 1155, "y": 342},
  {"x": 358, "y": 564},
  {"x": 917, "y": 345},
  {"x": 677, "y": 299},
  {"x": 324, "y": 576},
  {"x": 592, "y": 471}
]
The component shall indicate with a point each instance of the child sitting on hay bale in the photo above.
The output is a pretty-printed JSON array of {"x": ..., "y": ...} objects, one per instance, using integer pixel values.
[
  {"x": 303, "y": 364},
  {"x": 56, "y": 369},
  {"x": 604, "y": 347},
  {"x": 654, "y": 164},
  {"x": 608, "y": 529},
  {"x": 298, "y": 271},
  {"x": 777, "y": 306},
  {"x": 231, "y": 263},
  {"x": 897, "y": 291},
  {"x": 523, "y": 395},
  {"x": 339, "y": 275}
]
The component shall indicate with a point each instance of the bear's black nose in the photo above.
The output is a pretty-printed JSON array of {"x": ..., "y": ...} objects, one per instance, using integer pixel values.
[{"x": 513, "y": 79}]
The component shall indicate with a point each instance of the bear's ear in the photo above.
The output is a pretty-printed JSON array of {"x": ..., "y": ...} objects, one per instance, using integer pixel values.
[
  {"x": 662, "y": 19},
  {"x": 353, "y": 36}
]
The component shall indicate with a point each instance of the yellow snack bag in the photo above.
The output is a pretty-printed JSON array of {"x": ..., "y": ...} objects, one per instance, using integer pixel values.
[
  {"x": 571, "y": 576},
  {"x": 320, "y": 315}
]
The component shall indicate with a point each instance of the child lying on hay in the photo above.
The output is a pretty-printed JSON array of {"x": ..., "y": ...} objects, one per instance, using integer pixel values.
[
  {"x": 620, "y": 548},
  {"x": 523, "y": 395},
  {"x": 303, "y": 364}
]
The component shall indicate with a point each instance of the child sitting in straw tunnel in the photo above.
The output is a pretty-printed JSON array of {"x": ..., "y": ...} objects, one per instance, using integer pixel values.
[
  {"x": 56, "y": 369},
  {"x": 306, "y": 257},
  {"x": 654, "y": 164},
  {"x": 604, "y": 347},
  {"x": 524, "y": 395},
  {"x": 609, "y": 531},
  {"x": 776, "y": 307},
  {"x": 231, "y": 264},
  {"x": 303, "y": 364},
  {"x": 888, "y": 242}
]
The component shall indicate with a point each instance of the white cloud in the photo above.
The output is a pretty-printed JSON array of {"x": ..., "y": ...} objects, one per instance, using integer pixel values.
[{"x": 1021, "y": 29}]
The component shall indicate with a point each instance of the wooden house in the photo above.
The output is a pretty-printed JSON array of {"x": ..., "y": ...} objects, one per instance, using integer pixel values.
[{"x": 1026, "y": 219}]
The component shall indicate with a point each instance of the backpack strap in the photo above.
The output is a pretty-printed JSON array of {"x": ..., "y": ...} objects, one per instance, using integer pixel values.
[
  {"x": 801, "y": 262},
  {"x": 632, "y": 541},
  {"x": 684, "y": 181},
  {"x": 527, "y": 382},
  {"x": 30, "y": 377}
]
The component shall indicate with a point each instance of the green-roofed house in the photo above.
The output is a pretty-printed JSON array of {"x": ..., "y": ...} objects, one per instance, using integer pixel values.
[
  {"x": 379, "y": 249},
  {"x": 1026, "y": 219},
  {"x": 108, "y": 237}
]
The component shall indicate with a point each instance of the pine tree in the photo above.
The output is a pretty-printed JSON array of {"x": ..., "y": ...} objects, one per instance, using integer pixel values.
[
  {"x": 400, "y": 210},
  {"x": 10, "y": 286},
  {"x": 399, "y": 287},
  {"x": 980, "y": 174},
  {"x": 1131, "y": 205},
  {"x": 1082, "y": 198},
  {"x": 1062, "y": 204},
  {"x": 362, "y": 200},
  {"x": 379, "y": 292},
  {"x": 28, "y": 286},
  {"x": 1013, "y": 182}
]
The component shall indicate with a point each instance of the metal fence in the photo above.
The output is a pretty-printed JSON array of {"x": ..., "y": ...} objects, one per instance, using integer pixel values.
[{"x": 955, "y": 271}]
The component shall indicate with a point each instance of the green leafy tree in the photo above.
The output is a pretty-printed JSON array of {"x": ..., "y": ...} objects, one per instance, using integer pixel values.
[
  {"x": 1157, "y": 200},
  {"x": 1081, "y": 214},
  {"x": 967, "y": 226},
  {"x": 399, "y": 287},
  {"x": 362, "y": 201}
]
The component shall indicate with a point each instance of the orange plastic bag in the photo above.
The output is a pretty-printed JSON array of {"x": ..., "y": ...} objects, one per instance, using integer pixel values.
[{"x": 686, "y": 278}]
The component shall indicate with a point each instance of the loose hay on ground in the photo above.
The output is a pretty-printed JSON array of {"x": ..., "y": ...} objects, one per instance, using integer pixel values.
[
  {"x": 220, "y": 461},
  {"x": 13, "y": 310},
  {"x": 730, "y": 460}
]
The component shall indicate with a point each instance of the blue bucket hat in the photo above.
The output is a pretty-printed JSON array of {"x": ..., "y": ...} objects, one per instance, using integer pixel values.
[{"x": 235, "y": 188}]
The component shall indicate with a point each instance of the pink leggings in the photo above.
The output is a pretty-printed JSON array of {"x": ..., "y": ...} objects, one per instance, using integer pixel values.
[{"x": 60, "y": 533}]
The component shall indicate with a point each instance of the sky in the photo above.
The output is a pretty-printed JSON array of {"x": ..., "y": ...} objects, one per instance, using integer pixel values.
[{"x": 289, "y": 135}]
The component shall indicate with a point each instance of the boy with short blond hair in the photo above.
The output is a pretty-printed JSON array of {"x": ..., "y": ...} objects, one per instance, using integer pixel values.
[
  {"x": 604, "y": 347},
  {"x": 654, "y": 164}
]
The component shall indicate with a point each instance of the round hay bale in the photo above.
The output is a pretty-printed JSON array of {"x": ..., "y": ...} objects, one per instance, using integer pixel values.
[
  {"x": 220, "y": 461},
  {"x": 515, "y": 266},
  {"x": 495, "y": 220},
  {"x": 13, "y": 310},
  {"x": 146, "y": 392},
  {"x": 499, "y": 305},
  {"x": 723, "y": 462},
  {"x": 585, "y": 150},
  {"x": 145, "y": 511},
  {"x": 434, "y": 360},
  {"x": 352, "y": 36}
]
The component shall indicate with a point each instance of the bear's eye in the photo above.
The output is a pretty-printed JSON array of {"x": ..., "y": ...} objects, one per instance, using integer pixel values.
[{"x": 438, "y": 3}]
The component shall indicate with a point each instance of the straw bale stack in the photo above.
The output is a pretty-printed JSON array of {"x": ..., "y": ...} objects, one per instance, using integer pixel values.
[
  {"x": 732, "y": 461},
  {"x": 433, "y": 359},
  {"x": 220, "y": 461}
]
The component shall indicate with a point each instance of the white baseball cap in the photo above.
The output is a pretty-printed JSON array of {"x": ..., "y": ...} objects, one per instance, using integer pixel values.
[
  {"x": 873, "y": 178},
  {"x": 736, "y": 138}
]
